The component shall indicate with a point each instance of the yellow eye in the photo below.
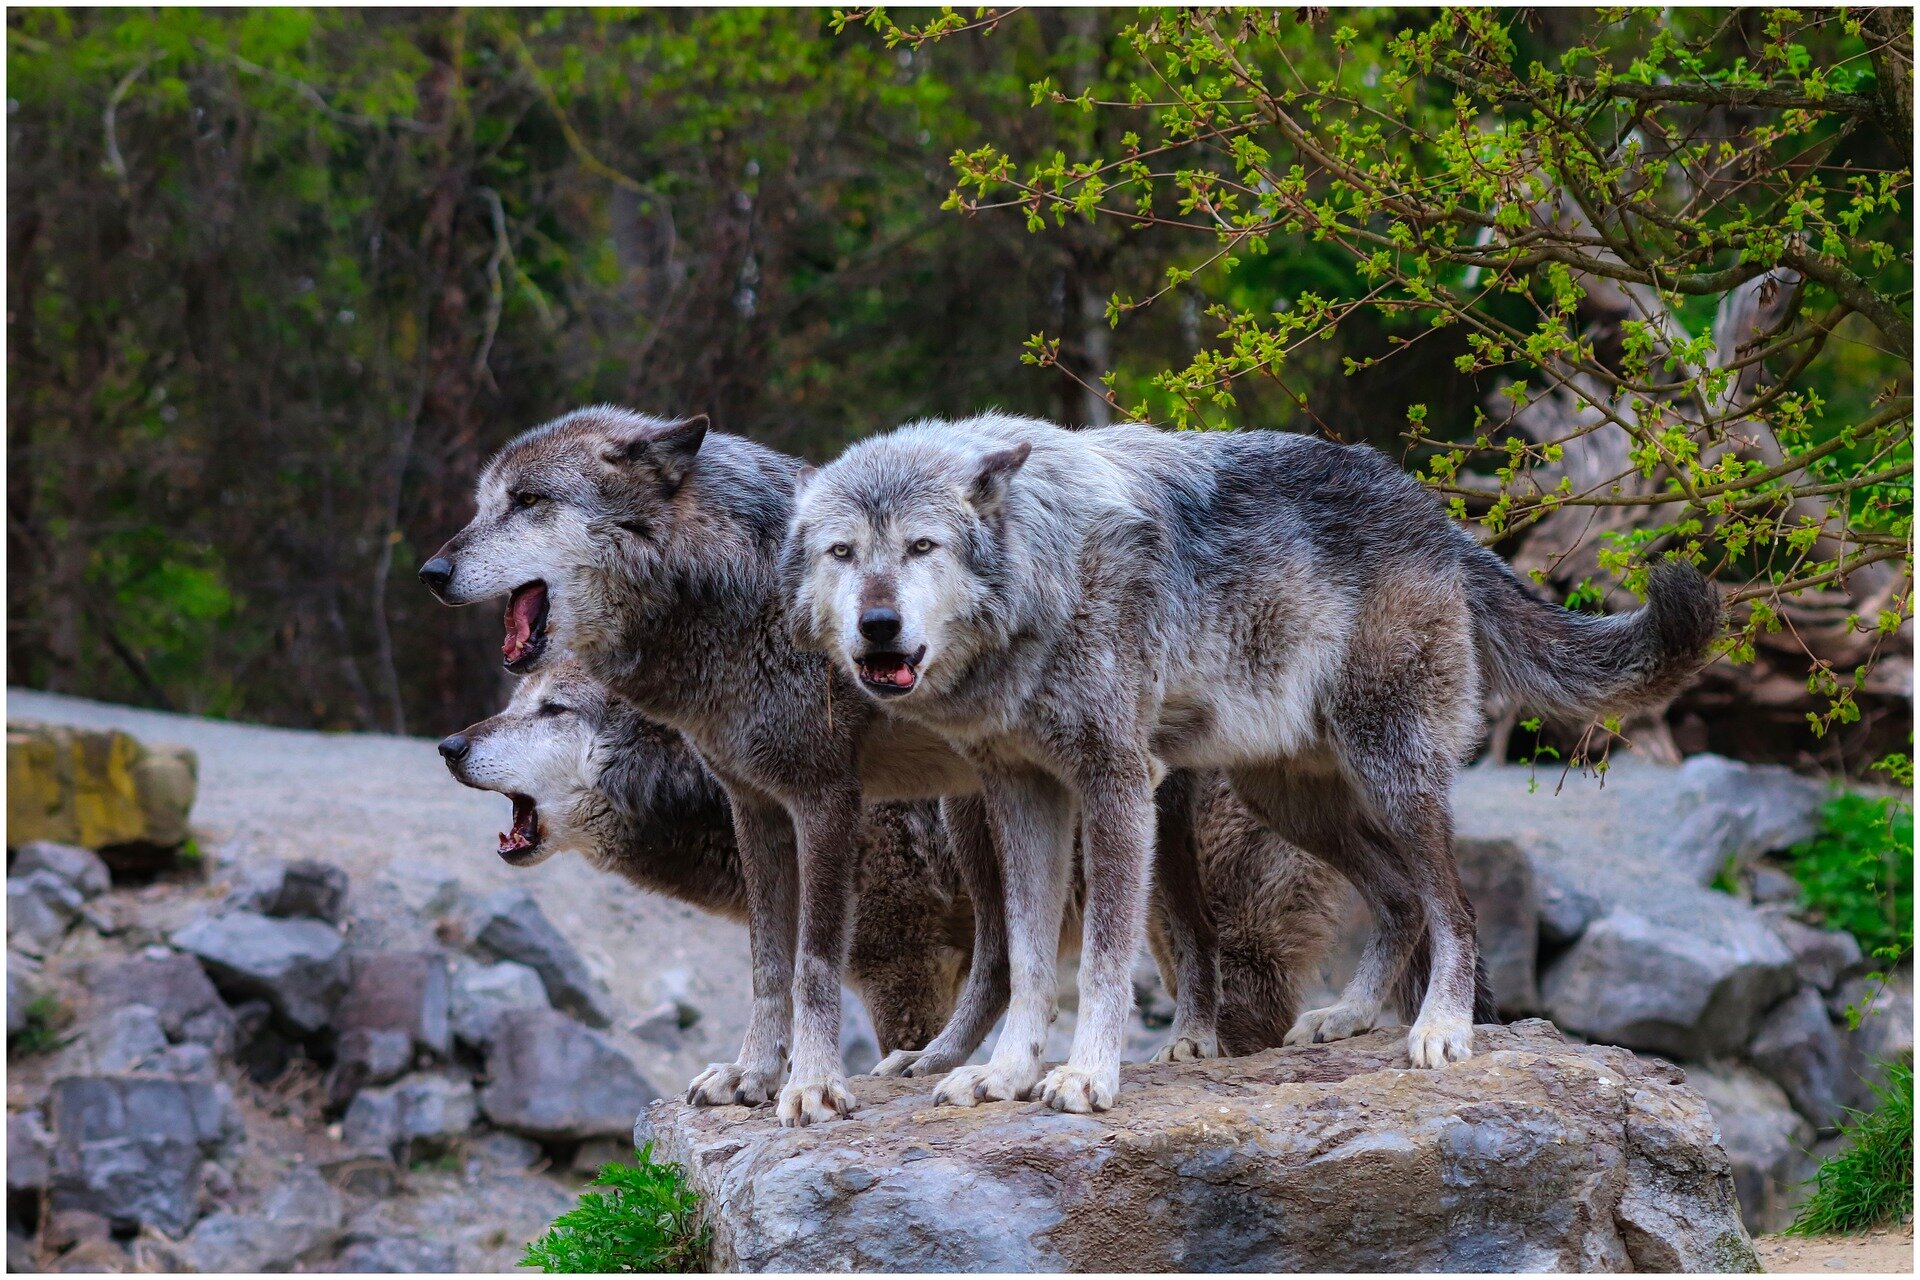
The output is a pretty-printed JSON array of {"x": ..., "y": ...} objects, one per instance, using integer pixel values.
[
  {"x": 921, "y": 546},
  {"x": 524, "y": 500},
  {"x": 840, "y": 551}
]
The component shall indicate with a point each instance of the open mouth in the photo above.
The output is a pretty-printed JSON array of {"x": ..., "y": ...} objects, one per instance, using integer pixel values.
[
  {"x": 890, "y": 674},
  {"x": 517, "y": 844},
  {"x": 526, "y": 622}
]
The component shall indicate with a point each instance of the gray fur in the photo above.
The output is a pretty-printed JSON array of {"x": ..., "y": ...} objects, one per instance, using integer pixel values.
[{"x": 1078, "y": 612}]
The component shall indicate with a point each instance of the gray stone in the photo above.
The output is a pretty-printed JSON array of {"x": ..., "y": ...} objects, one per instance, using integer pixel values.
[
  {"x": 1565, "y": 912},
  {"x": 396, "y": 1254},
  {"x": 1765, "y": 1140},
  {"x": 592, "y": 1154},
  {"x": 1740, "y": 811},
  {"x": 70, "y": 1227},
  {"x": 131, "y": 1147},
  {"x": 551, "y": 1078},
  {"x": 301, "y": 889},
  {"x": 425, "y": 1113},
  {"x": 510, "y": 924},
  {"x": 1534, "y": 1155},
  {"x": 124, "y": 1038},
  {"x": 1770, "y": 885},
  {"x": 506, "y": 1150},
  {"x": 299, "y": 1218},
  {"x": 175, "y": 986},
  {"x": 1884, "y": 1034},
  {"x": 20, "y": 1255},
  {"x": 29, "y": 1150},
  {"x": 482, "y": 993},
  {"x": 1821, "y": 957},
  {"x": 84, "y": 869},
  {"x": 364, "y": 1173},
  {"x": 362, "y": 1057},
  {"x": 423, "y": 889},
  {"x": 187, "y": 1061},
  {"x": 298, "y": 966},
  {"x": 41, "y": 907},
  {"x": 403, "y": 991},
  {"x": 1689, "y": 989},
  {"x": 859, "y": 1043},
  {"x": 1799, "y": 1050},
  {"x": 1498, "y": 878},
  {"x": 22, "y": 991}
]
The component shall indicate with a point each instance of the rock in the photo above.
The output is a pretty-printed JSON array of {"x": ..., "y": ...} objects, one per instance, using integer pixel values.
[
  {"x": 82, "y": 868},
  {"x": 1770, "y": 885},
  {"x": 186, "y": 1061},
  {"x": 424, "y": 1112},
  {"x": 298, "y": 966},
  {"x": 1739, "y": 812},
  {"x": 1884, "y": 1034},
  {"x": 403, "y": 991},
  {"x": 1565, "y": 912},
  {"x": 99, "y": 789},
  {"x": 1534, "y": 1155},
  {"x": 302, "y": 889},
  {"x": 70, "y": 1227},
  {"x": 302, "y": 1216},
  {"x": 1688, "y": 990},
  {"x": 551, "y": 1078},
  {"x": 131, "y": 1147},
  {"x": 92, "y": 1257},
  {"x": 364, "y": 1174},
  {"x": 398, "y": 1254},
  {"x": 20, "y": 1257},
  {"x": 29, "y": 1150},
  {"x": 510, "y": 924},
  {"x": 1764, "y": 1138},
  {"x": 1498, "y": 878},
  {"x": 506, "y": 1151},
  {"x": 660, "y": 1025},
  {"x": 482, "y": 993},
  {"x": 41, "y": 907},
  {"x": 22, "y": 991},
  {"x": 591, "y": 1155},
  {"x": 176, "y": 988},
  {"x": 121, "y": 1040},
  {"x": 362, "y": 1058},
  {"x": 1821, "y": 957},
  {"x": 423, "y": 889},
  {"x": 1799, "y": 1050}
]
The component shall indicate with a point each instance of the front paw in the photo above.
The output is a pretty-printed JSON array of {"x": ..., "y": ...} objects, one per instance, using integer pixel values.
[
  {"x": 805, "y": 1102},
  {"x": 729, "y": 1084},
  {"x": 1436, "y": 1041},
  {"x": 1188, "y": 1048},
  {"x": 898, "y": 1063},
  {"x": 969, "y": 1086},
  {"x": 1335, "y": 1022},
  {"x": 1070, "y": 1088}
]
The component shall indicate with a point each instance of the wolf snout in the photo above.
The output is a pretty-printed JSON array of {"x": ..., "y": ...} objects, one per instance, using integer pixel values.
[
  {"x": 454, "y": 748},
  {"x": 880, "y": 626},
  {"x": 437, "y": 573}
]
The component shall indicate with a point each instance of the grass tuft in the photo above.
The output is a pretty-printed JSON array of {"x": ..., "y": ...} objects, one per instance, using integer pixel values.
[
  {"x": 45, "y": 1020},
  {"x": 1871, "y": 1182},
  {"x": 647, "y": 1220},
  {"x": 1857, "y": 874}
]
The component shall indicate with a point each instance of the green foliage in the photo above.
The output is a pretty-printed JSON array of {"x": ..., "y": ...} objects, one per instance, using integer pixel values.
[
  {"x": 645, "y": 1220},
  {"x": 1871, "y": 1182},
  {"x": 1857, "y": 874},
  {"x": 45, "y": 1019}
]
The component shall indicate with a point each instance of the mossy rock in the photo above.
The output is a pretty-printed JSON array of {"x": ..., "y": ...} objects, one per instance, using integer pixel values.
[{"x": 101, "y": 789}]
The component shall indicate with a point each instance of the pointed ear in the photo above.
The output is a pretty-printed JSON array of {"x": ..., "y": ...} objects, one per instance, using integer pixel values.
[
  {"x": 989, "y": 487},
  {"x": 802, "y": 478},
  {"x": 670, "y": 449}
]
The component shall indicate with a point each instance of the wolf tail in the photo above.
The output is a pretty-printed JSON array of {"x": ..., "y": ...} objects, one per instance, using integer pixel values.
[{"x": 1560, "y": 662}]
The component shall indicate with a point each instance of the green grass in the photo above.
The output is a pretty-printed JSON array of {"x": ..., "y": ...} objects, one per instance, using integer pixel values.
[
  {"x": 45, "y": 1018},
  {"x": 1871, "y": 1182},
  {"x": 1857, "y": 874},
  {"x": 645, "y": 1220}
]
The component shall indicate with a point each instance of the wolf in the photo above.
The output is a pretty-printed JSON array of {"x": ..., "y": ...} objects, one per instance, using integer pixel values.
[
  {"x": 585, "y": 771},
  {"x": 648, "y": 548},
  {"x": 1077, "y": 612}
]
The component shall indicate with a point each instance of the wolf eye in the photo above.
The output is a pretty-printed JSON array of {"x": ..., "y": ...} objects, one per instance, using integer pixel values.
[
  {"x": 525, "y": 500},
  {"x": 840, "y": 551},
  {"x": 921, "y": 546},
  {"x": 552, "y": 709}
]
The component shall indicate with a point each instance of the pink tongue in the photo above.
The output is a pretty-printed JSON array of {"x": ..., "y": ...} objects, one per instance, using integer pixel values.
[
  {"x": 519, "y": 621},
  {"x": 903, "y": 676}
]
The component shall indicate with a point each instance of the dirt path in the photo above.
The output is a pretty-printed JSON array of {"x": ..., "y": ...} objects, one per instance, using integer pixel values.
[
  {"x": 369, "y": 801},
  {"x": 1885, "y": 1252}
]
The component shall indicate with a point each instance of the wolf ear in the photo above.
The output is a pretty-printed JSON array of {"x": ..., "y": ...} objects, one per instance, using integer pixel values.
[
  {"x": 989, "y": 487},
  {"x": 670, "y": 448},
  {"x": 802, "y": 478}
]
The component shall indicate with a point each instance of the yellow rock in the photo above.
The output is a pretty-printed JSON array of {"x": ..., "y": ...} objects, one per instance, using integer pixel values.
[{"x": 96, "y": 788}]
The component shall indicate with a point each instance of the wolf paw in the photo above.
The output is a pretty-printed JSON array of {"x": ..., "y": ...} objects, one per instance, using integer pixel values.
[
  {"x": 1188, "y": 1048},
  {"x": 898, "y": 1063},
  {"x": 728, "y": 1084},
  {"x": 1436, "y": 1041},
  {"x": 969, "y": 1086},
  {"x": 814, "y": 1101},
  {"x": 1069, "y": 1088},
  {"x": 1335, "y": 1022}
]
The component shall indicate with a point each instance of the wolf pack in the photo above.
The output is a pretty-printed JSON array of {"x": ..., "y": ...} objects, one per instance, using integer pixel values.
[{"x": 981, "y": 694}]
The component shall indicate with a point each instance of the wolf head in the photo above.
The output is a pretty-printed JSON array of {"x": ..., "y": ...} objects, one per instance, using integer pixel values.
[
  {"x": 895, "y": 554},
  {"x": 558, "y": 510},
  {"x": 543, "y": 754}
]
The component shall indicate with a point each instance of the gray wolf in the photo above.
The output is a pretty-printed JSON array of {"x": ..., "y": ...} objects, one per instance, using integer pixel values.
[
  {"x": 648, "y": 549},
  {"x": 1079, "y": 611},
  {"x": 585, "y": 771}
]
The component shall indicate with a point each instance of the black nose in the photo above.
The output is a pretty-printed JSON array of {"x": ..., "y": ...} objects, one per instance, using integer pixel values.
[
  {"x": 437, "y": 573},
  {"x": 880, "y": 625},
  {"x": 456, "y": 747}
]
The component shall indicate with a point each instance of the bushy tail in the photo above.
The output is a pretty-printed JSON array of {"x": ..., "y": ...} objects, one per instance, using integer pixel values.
[{"x": 1544, "y": 658}]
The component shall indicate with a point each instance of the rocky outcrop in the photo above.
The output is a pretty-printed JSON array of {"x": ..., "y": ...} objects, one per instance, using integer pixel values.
[
  {"x": 1535, "y": 1155},
  {"x": 99, "y": 789}
]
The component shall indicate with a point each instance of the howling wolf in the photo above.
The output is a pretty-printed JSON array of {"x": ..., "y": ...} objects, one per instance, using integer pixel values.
[{"x": 1077, "y": 612}]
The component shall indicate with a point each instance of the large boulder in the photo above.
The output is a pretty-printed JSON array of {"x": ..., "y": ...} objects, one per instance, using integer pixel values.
[
  {"x": 302, "y": 1216},
  {"x": 551, "y": 1078},
  {"x": 510, "y": 924},
  {"x": 299, "y": 967},
  {"x": 100, "y": 789},
  {"x": 395, "y": 1009},
  {"x": 1534, "y": 1155},
  {"x": 481, "y": 993},
  {"x": 176, "y": 987},
  {"x": 131, "y": 1147},
  {"x": 303, "y": 887},
  {"x": 1766, "y": 1141},
  {"x": 1798, "y": 1049},
  {"x": 84, "y": 869},
  {"x": 423, "y": 1114},
  {"x": 1730, "y": 813}
]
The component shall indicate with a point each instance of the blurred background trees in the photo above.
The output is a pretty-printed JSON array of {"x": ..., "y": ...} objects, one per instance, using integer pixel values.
[{"x": 280, "y": 280}]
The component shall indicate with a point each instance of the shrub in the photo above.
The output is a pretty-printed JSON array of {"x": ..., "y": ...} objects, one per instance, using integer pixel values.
[
  {"x": 1871, "y": 1182},
  {"x": 1857, "y": 874},
  {"x": 646, "y": 1220},
  {"x": 45, "y": 1018}
]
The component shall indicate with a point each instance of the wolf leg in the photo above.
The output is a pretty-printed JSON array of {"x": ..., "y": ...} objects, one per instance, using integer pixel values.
[
  {"x": 1117, "y": 854},
  {"x": 985, "y": 994},
  {"x": 1032, "y": 817},
  {"x": 765, "y": 837},
  {"x": 1188, "y": 924},
  {"x": 829, "y": 825}
]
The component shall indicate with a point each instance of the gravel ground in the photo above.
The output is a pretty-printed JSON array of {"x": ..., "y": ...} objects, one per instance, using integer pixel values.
[{"x": 1888, "y": 1251}]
